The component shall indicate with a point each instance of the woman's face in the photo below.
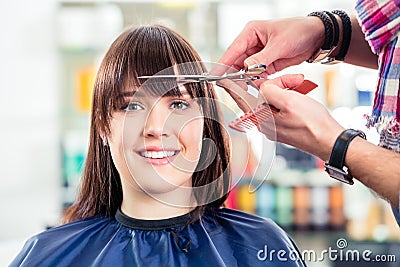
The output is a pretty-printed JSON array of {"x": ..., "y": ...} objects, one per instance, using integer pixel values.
[{"x": 155, "y": 142}]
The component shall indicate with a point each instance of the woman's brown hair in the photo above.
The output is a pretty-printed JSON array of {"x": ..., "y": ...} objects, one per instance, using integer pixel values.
[{"x": 145, "y": 50}]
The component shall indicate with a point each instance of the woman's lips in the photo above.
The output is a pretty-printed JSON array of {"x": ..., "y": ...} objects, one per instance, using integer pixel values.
[{"x": 157, "y": 156}]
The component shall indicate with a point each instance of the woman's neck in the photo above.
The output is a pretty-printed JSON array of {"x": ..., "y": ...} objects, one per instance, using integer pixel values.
[{"x": 140, "y": 205}]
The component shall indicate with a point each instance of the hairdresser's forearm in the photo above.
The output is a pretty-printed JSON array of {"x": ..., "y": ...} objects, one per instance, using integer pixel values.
[
  {"x": 360, "y": 53},
  {"x": 376, "y": 167}
]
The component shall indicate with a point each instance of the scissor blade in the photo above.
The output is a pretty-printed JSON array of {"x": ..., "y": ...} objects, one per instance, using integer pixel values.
[
  {"x": 185, "y": 78},
  {"x": 174, "y": 77},
  {"x": 246, "y": 75}
]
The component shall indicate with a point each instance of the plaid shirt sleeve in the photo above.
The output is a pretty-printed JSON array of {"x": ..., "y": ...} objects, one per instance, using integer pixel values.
[{"x": 380, "y": 21}]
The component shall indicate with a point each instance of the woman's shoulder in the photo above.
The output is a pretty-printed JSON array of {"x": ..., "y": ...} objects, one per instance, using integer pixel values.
[
  {"x": 245, "y": 220},
  {"x": 59, "y": 240},
  {"x": 241, "y": 224},
  {"x": 252, "y": 235},
  {"x": 81, "y": 226}
]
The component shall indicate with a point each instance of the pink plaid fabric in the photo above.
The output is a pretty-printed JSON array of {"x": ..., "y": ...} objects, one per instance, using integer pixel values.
[{"x": 380, "y": 22}]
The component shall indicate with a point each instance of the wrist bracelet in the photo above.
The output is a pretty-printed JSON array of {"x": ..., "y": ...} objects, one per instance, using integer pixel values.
[
  {"x": 335, "y": 24},
  {"x": 347, "y": 29},
  {"x": 328, "y": 59},
  {"x": 327, "y": 46},
  {"x": 326, "y": 20}
]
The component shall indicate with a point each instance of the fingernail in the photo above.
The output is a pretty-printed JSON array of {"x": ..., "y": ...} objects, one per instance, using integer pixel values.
[{"x": 249, "y": 62}]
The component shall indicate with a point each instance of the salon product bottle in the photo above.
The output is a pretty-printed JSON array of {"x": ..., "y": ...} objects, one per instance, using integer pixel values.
[
  {"x": 265, "y": 197},
  {"x": 246, "y": 199},
  {"x": 284, "y": 206},
  {"x": 337, "y": 219},
  {"x": 320, "y": 207},
  {"x": 301, "y": 207}
]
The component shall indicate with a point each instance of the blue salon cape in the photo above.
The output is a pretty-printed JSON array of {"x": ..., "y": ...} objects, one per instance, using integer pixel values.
[
  {"x": 396, "y": 212},
  {"x": 222, "y": 237}
]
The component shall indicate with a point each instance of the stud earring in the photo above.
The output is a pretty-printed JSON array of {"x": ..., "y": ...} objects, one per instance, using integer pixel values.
[
  {"x": 105, "y": 145},
  {"x": 105, "y": 142}
]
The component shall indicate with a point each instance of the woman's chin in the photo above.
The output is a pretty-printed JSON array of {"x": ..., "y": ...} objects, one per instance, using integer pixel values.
[{"x": 162, "y": 186}]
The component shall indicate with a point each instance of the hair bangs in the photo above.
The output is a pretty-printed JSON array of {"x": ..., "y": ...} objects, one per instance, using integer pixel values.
[{"x": 168, "y": 54}]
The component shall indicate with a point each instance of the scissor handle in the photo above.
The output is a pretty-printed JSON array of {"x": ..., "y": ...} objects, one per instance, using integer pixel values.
[
  {"x": 249, "y": 74},
  {"x": 256, "y": 69}
]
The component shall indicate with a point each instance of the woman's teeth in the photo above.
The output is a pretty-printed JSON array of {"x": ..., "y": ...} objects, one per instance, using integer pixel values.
[{"x": 157, "y": 154}]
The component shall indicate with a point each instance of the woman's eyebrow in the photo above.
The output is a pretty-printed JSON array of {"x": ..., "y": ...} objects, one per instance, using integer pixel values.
[
  {"x": 130, "y": 94},
  {"x": 183, "y": 91}
]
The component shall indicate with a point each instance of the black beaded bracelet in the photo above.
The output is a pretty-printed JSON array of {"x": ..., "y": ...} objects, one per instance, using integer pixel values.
[
  {"x": 328, "y": 24},
  {"x": 346, "y": 22}
]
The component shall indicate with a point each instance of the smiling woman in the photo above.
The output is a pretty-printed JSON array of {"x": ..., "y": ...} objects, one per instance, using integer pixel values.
[
  {"x": 127, "y": 119},
  {"x": 156, "y": 161},
  {"x": 157, "y": 172}
]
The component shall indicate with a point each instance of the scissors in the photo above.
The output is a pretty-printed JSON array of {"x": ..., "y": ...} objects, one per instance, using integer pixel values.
[{"x": 249, "y": 74}]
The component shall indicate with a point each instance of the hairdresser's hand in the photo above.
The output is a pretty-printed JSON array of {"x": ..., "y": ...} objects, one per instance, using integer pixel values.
[
  {"x": 246, "y": 101},
  {"x": 301, "y": 122},
  {"x": 276, "y": 43}
]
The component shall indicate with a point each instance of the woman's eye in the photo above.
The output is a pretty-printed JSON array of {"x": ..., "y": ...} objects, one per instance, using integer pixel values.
[
  {"x": 180, "y": 104},
  {"x": 133, "y": 106}
]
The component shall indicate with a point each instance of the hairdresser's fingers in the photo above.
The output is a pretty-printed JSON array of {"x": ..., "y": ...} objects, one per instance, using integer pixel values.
[
  {"x": 274, "y": 58},
  {"x": 246, "y": 101},
  {"x": 240, "y": 61},
  {"x": 274, "y": 95},
  {"x": 267, "y": 127},
  {"x": 230, "y": 66},
  {"x": 285, "y": 62},
  {"x": 248, "y": 42},
  {"x": 266, "y": 55},
  {"x": 235, "y": 51},
  {"x": 243, "y": 99},
  {"x": 286, "y": 81}
]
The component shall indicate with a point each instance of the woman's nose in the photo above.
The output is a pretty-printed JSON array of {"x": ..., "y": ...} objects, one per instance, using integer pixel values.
[{"x": 156, "y": 124}]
